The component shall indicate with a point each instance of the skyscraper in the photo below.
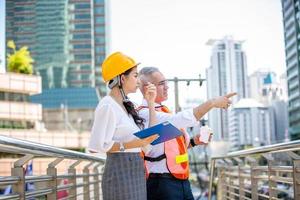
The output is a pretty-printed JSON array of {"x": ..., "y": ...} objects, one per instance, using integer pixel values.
[
  {"x": 266, "y": 88},
  {"x": 227, "y": 73},
  {"x": 257, "y": 86},
  {"x": 2, "y": 37},
  {"x": 66, "y": 39},
  {"x": 291, "y": 20}
]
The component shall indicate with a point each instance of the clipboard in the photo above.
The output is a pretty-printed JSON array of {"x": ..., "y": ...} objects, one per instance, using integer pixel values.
[{"x": 165, "y": 130}]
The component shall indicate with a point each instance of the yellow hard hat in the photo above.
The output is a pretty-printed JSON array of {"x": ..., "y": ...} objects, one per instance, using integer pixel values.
[{"x": 116, "y": 64}]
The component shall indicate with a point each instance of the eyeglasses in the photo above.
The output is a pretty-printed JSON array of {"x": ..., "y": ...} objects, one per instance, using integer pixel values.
[{"x": 162, "y": 83}]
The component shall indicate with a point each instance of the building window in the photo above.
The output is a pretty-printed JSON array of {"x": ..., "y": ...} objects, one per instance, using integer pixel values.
[
  {"x": 100, "y": 30},
  {"x": 100, "y": 20},
  {"x": 82, "y": 16},
  {"x": 82, "y": 46},
  {"x": 82, "y": 26},
  {"x": 2, "y": 96},
  {"x": 221, "y": 46},
  {"x": 99, "y": 10},
  {"x": 85, "y": 77},
  {"x": 264, "y": 92},
  {"x": 82, "y": 36},
  {"x": 99, "y": 59},
  {"x": 57, "y": 75},
  {"x": 237, "y": 46},
  {"x": 99, "y": 1},
  {"x": 85, "y": 67},
  {"x": 100, "y": 40},
  {"x": 19, "y": 9},
  {"x": 83, "y": 57},
  {"x": 82, "y": 6},
  {"x": 100, "y": 49},
  {"x": 14, "y": 97}
]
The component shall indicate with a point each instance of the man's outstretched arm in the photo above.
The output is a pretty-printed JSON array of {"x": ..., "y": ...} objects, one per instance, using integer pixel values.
[{"x": 218, "y": 102}]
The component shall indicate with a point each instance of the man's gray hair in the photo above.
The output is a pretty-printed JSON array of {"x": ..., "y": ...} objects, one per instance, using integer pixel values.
[
  {"x": 145, "y": 75},
  {"x": 147, "y": 71}
]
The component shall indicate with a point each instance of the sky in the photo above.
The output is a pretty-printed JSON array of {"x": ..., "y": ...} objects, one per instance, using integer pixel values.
[{"x": 172, "y": 34}]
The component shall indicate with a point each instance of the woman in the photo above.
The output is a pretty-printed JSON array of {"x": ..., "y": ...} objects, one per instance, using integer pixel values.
[{"x": 115, "y": 122}]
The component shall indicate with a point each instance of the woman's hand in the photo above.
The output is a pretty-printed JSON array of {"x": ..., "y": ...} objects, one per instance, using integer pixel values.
[
  {"x": 145, "y": 141},
  {"x": 136, "y": 143},
  {"x": 150, "y": 93}
]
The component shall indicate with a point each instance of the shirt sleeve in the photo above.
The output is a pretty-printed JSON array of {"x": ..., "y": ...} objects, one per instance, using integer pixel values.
[
  {"x": 183, "y": 119},
  {"x": 103, "y": 129}
]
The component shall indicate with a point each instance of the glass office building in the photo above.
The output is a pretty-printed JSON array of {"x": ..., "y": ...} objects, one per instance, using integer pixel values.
[
  {"x": 68, "y": 97},
  {"x": 291, "y": 21},
  {"x": 227, "y": 73},
  {"x": 66, "y": 39}
]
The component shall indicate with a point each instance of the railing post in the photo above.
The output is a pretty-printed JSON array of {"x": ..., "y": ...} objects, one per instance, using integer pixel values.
[
  {"x": 241, "y": 179},
  {"x": 96, "y": 184},
  {"x": 52, "y": 171},
  {"x": 254, "y": 173},
  {"x": 231, "y": 178},
  {"x": 19, "y": 171},
  {"x": 73, "y": 180},
  {"x": 221, "y": 182},
  {"x": 20, "y": 186},
  {"x": 225, "y": 190},
  {"x": 271, "y": 174},
  {"x": 211, "y": 179},
  {"x": 86, "y": 181},
  {"x": 296, "y": 173},
  {"x": 296, "y": 177}
]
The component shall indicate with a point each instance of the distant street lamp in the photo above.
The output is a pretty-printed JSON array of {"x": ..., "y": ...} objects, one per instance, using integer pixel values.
[{"x": 176, "y": 90}]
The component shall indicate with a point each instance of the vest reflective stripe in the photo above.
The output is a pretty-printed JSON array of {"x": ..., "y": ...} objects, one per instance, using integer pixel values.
[
  {"x": 182, "y": 158},
  {"x": 175, "y": 151}
]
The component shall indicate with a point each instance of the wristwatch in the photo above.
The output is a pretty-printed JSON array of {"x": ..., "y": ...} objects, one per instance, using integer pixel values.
[
  {"x": 192, "y": 142},
  {"x": 122, "y": 148}
]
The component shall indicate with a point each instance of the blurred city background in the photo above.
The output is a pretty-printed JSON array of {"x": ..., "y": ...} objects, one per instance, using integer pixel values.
[{"x": 50, "y": 68}]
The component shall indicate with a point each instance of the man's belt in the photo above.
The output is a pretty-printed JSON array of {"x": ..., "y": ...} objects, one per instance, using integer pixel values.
[{"x": 160, "y": 175}]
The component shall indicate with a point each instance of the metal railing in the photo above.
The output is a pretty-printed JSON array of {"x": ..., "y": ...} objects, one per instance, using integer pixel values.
[
  {"x": 62, "y": 139},
  {"x": 83, "y": 184},
  {"x": 268, "y": 172}
]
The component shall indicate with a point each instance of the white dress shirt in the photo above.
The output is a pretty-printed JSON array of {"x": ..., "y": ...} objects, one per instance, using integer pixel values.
[
  {"x": 111, "y": 124},
  {"x": 183, "y": 119}
]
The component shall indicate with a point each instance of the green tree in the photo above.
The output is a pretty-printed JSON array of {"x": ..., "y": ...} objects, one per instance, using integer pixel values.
[{"x": 20, "y": 60}]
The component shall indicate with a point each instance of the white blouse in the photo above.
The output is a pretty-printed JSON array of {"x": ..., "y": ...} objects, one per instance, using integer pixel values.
[{"x": 111, "y": 124}]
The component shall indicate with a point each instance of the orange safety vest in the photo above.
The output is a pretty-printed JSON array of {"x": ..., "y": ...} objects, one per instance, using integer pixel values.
[{"x": 175, "y": 153}]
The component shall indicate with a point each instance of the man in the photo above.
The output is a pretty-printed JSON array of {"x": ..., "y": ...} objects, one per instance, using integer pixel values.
[{"x": 167, "y": 163}]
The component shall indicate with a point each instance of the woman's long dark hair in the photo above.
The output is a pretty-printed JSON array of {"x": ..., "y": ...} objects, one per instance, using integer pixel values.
[
  {"x": 139, "y": 121},
  {"x": 129, "y": 106}
]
